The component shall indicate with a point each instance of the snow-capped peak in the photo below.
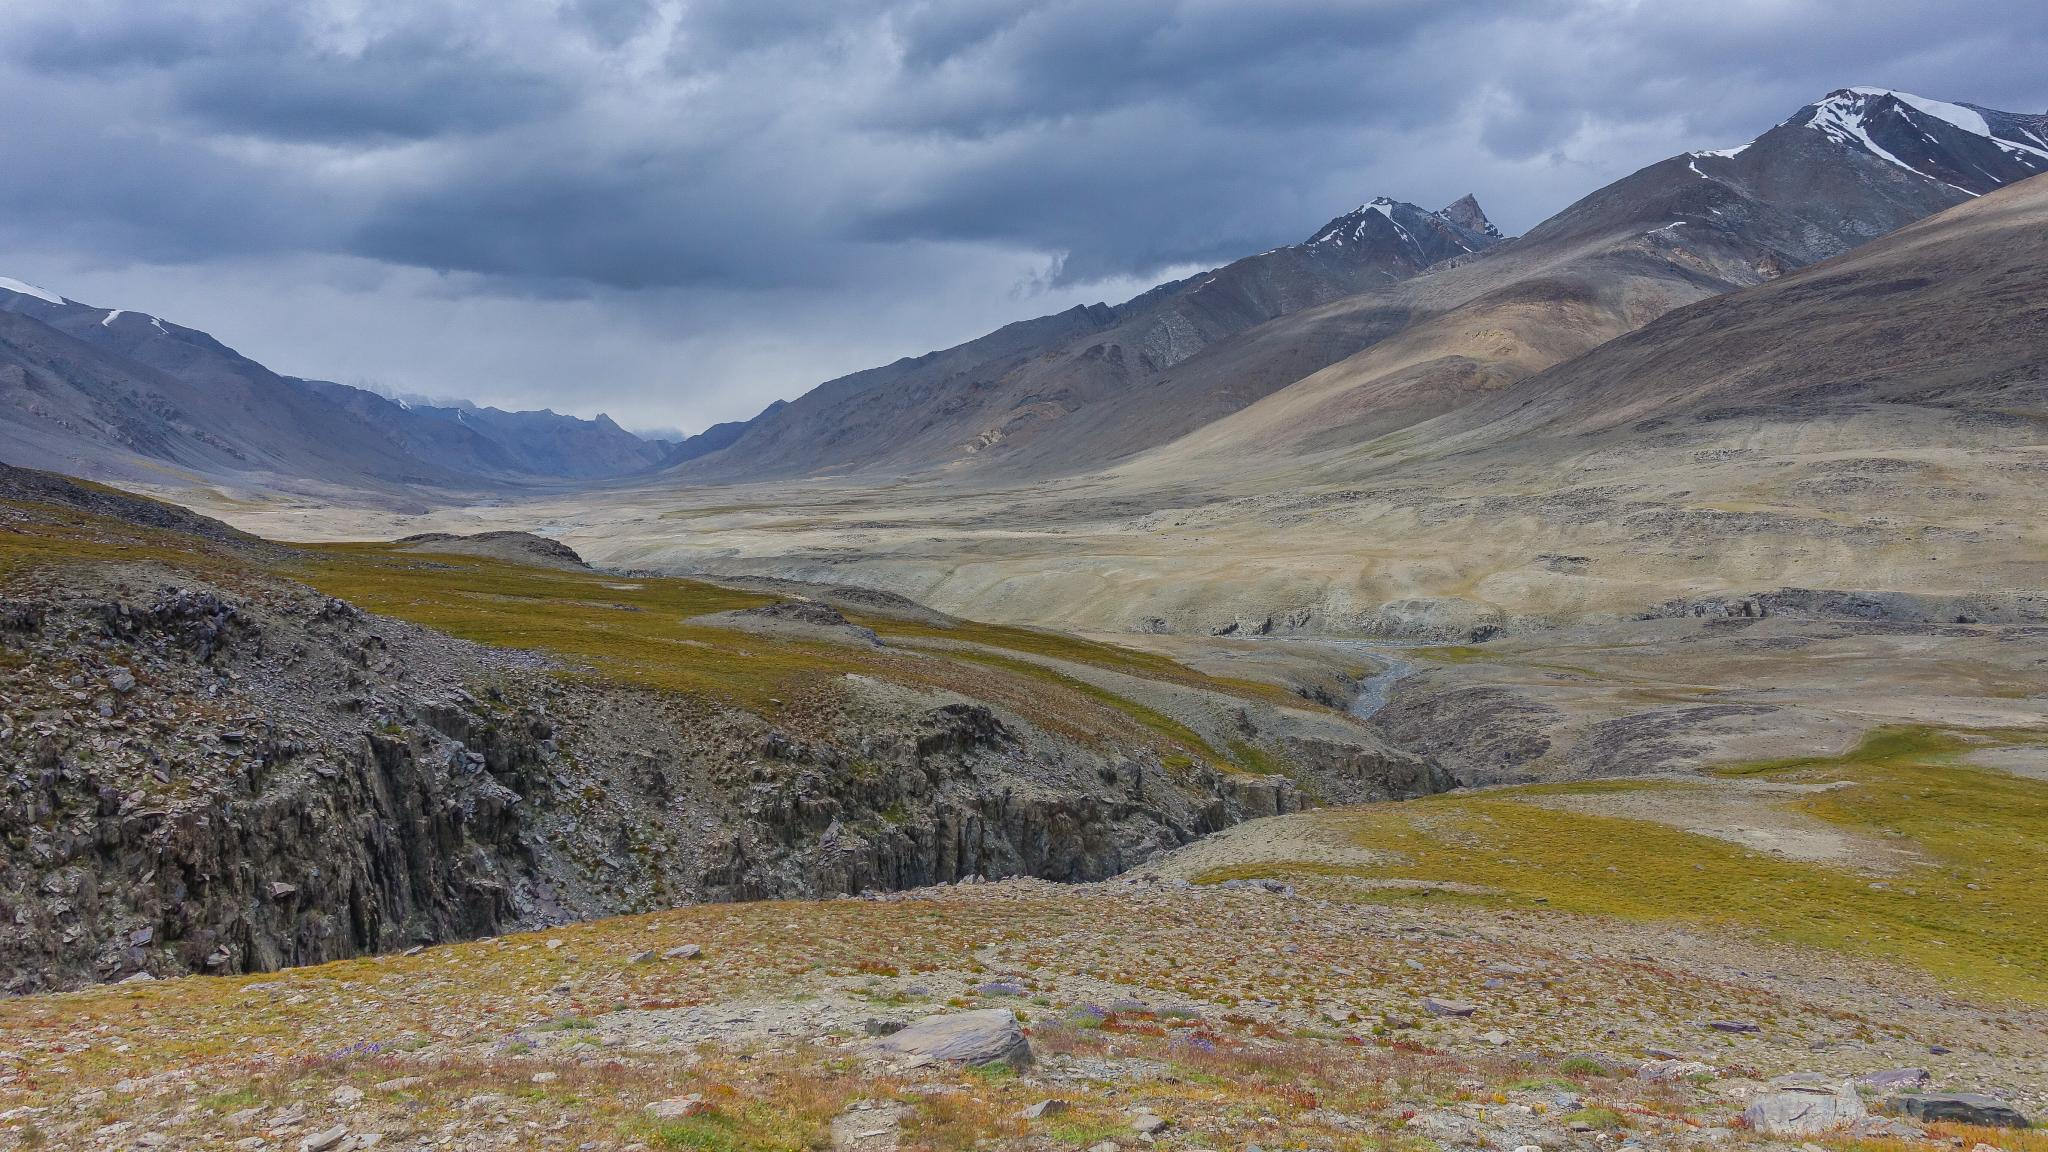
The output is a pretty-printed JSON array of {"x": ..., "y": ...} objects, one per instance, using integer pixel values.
[
  {"x": 1845, "y": 116},
  {"x": 27, "y": 289},
  {"x": 1965, "y": 118}
]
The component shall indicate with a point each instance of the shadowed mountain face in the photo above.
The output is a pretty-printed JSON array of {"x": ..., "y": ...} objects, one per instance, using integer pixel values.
[
  {"x": 1393, "y": 314},
  {"x": 123, "y": 395}
]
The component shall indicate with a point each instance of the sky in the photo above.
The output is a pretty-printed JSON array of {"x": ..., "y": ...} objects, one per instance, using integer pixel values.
[{"x": 677, "y": 211}]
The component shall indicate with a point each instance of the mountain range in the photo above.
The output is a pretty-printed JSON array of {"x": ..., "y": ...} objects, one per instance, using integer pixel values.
[
  {"x": 1091, "y": 386},
  {"x": 1388, "y": 316},
  {"x": 125, "y": 396}
]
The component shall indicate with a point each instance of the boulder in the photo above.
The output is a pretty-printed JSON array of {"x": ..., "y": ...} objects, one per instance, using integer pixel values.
[
  {"x": 1439, "y": 1007},
  {"x": 1957, "y": 1108},
  {"x": 1804, "y": 1108},
  {"x": 990, "y": 1036},
  {"x": 678, "y": 1107},
  {"x": 1895, "y": 1080}
]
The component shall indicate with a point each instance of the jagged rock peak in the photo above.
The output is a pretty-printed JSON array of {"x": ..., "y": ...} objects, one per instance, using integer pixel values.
[
  {"x": 1466, "y": 213},
  {"x": 1422, "y": 235}
]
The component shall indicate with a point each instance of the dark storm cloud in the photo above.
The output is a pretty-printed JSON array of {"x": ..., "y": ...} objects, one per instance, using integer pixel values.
[{"x": 775, "y": 169}]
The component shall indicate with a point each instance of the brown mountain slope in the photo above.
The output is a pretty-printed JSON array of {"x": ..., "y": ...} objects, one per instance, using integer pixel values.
[
  {"x": 1070, "y": 391},
  {"x": 1950, "y": 313}
]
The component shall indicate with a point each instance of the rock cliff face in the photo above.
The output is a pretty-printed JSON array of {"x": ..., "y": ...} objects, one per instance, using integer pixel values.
[{"x": 211, "y": 779}]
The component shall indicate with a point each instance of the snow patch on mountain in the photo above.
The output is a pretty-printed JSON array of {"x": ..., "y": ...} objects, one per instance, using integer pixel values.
[
  {"x": 1845, "y": 121},
  {"x": 1854, "y": 116},
  {"x": 27, "y": 289},
  {"x": 1965, "y": 118}
]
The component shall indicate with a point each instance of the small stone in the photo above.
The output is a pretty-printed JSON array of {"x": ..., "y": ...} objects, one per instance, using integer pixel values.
[
  {"x": 678, "y": 1107},
  {"x": 138, "y": 978},
  {"x": 1105, "y": 1146},
  {"x": 121, "y": 680},
  {"x": 686, "y": 952},
  {"x": 554, "y": 944},
  {"x": 1733, "y": 1026},
  {"x": 279, "y": 890},
  {"x": 399, "y": 1084},
  {"x": 1146, "y": 1124},
  {"x": 1438, "y": 1007},
  {"x": 640, "y": 958},
  {"x": 1043, "y": 1109},
  {"x": 1895, "y": 1079},
  {"x": 347, "y": 1096},
  {"x": 322, "y": 1141},
  {"x": 545, "y": 1077},
  {"x": 879, "y": 1027},
  {"x": 1495, "y": 1038}
]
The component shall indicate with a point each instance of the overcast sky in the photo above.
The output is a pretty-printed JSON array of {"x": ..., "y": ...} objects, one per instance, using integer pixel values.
[{"x": 675, "y": 211}]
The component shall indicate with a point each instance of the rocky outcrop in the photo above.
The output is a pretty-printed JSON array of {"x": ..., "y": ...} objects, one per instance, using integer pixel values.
[
  {"x": 1353, "y": 773},
  {"x": 239, "y": 781}
]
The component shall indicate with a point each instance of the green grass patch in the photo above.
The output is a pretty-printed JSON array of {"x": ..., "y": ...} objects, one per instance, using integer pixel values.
[
  {"x": 1599, "y": 1119},
  {"x": 1453, "y": 654},
  {"x": 1253, "y": 758},
  {"x": 1152, "y": 720},
  {"x": 1967, "y": 915}
]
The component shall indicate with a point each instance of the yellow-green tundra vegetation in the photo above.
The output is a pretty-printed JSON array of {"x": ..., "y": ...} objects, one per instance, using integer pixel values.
[
  {"x": 1966, "y": 905},
  {"x": 653, "y": 632}
]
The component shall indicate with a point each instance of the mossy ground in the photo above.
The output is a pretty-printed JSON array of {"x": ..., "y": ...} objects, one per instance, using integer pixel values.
[{"x": 648, "y": 632}]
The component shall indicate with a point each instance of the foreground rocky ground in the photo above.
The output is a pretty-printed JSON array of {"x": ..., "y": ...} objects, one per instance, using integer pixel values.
[{"x": 1156, "y": 1013}]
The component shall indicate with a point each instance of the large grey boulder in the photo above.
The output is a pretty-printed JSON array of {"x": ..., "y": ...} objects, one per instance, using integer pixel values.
[
  {"x": 990, "y": 1036},
  {"x": 1800, "y": 1107},
  {"x": 1957, "y": 1108}
]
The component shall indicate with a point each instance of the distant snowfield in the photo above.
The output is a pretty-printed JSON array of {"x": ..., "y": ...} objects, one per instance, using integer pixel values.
[{"x": 28, "y": 289}]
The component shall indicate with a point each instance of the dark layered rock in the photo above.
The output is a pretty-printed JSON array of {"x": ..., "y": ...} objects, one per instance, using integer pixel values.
[
  {"x": 1957, "y": 1108},
  {"x": 238, "y": 782}
]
